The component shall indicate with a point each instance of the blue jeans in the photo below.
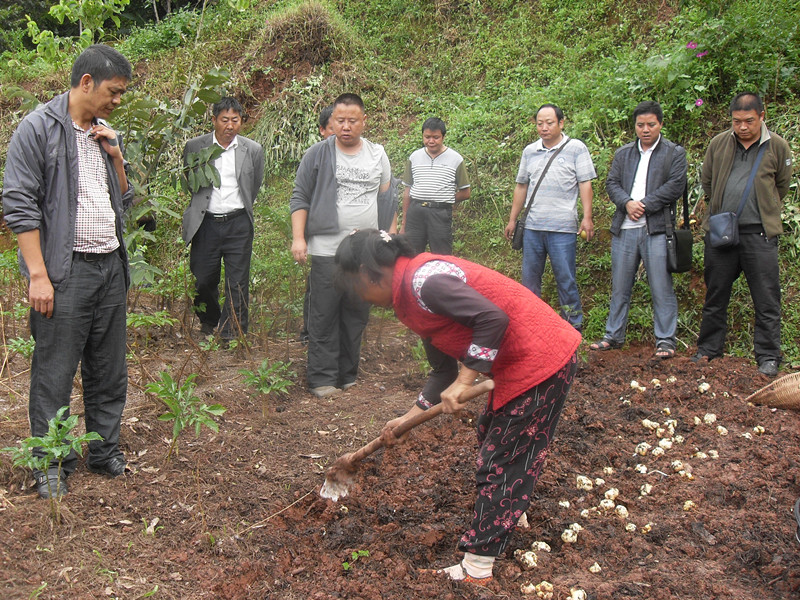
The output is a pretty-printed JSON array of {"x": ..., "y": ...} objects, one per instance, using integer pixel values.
[
  {"x": 560, "y": 247},
  {"x": 756, "y": 257},
  {"x": 87, "y": 327},
  {"x": 627, "y": 249}
]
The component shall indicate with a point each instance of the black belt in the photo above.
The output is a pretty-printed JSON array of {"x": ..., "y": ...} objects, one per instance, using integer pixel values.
[
  {"x": 225, "y": 217},
  {"x": 756, "y": 228},
  {"x": 91, "y": 256},
  {"x": 427, "y": 204}
]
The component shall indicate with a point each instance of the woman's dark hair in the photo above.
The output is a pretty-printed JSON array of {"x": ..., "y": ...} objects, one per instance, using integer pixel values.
[{"x": 371, "y": 250}]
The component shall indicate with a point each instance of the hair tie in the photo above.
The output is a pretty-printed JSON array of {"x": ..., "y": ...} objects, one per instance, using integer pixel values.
[{"x": 385, "y": 236}]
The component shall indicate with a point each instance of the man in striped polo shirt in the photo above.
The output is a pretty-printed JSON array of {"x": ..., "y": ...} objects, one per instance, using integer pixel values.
[{"x": 435, "y": 179}]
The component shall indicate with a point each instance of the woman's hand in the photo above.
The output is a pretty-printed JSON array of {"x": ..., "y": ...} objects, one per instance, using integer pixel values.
[
  {"x": 458, "y": 393},
  {"x": 387, "y": 435}
]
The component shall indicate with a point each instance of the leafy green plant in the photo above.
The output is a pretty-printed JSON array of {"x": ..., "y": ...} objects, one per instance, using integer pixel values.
[
  {"x": 39, "y": 453},
  {"x": 420, "y": 358},
  {"x": 184, "y": 408},
  {"x": 22, "y": 346},
  {"x": 354, "y": 557},
  {"x": 161, "y": 318},
  {"x": 269, "y": 379}
]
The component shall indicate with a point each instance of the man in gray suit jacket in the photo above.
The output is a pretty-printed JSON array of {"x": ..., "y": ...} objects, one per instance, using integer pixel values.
[{"x": 219, "y": 223}]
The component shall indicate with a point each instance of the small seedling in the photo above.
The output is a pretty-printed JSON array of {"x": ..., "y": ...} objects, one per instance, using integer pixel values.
[
  {"x": 52, "y": 448},
  {"x": 420, "y": 358},
  {"x": 184, "y": 408},
  {"x": 22, "y": 346},
  {"x": 269, "y": 379},
  {"x": 354, "y": 556}
]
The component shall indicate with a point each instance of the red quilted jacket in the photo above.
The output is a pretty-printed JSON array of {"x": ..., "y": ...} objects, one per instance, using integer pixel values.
[{"x": 537, "y": 342}]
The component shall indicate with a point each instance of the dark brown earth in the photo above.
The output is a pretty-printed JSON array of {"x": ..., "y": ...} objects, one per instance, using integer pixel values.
[{"x": 239, "y": 516}]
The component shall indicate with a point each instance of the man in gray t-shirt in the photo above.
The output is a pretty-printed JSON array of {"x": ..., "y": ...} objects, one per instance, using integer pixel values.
[
  {"x": 336, "y": 191},
  {"x": 552, "y": 224}
]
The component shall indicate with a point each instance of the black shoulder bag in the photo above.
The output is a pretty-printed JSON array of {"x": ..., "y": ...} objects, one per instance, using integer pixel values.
[
  {"x": 723, "y": 228},
  {"x": 519, "y": 226},
  {"x": 679, "y": 241}
]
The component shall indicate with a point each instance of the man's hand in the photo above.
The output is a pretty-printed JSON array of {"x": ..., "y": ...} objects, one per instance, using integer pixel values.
[
  {"x": 40, "y": 295},
  {"x": 107, "y": 138},
  {"x": 635, "y": 209},
  {"x": 587, "y": 226},
  {"x": 508, "y": 232},
  {"x": 300, "y": 250}
]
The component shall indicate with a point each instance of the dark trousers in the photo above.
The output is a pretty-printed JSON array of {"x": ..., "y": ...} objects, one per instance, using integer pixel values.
[
  {"x": 216, "y": 241},
  {"x": 514, "y": 442},
  {"x": 430, "y": 226},
  {"x": 88, "y": 326},
  {"x": 335, "y": 326},
  {"x": 756, "y": 257}
]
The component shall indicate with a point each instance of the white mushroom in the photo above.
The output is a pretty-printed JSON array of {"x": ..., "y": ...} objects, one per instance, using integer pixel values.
[
  {"x": 606, "y": 504},
  {"x": 576, "y": 594},
  {"x": 527, "y": 560},
  {"x": 540, "y": 546},
  {"x": 621, "y": 511},
  {"x": 640, "y": 468},
  {"x": 709, "y": 418},
  {"x": 703, "y": 387},
  {"x": 595, "y": 568},
  {"x": 583, "y": 483},
  {"x": 631, "y": 527},
  {"x": 645, "y": 489},
  {"x": 643, "y": 448},
  {"x": 611, "y": 493},
  {"x": 722, "y": 430},
  {"x": 569, "y": 536},
  {"x": 688, "y": 505}
]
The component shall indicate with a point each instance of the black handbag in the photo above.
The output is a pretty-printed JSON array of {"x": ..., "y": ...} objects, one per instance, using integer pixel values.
[
  {"x": 723, "y": 228},
  {"x": 679, "y": 241},
  {"x": 519, "y": 226}
]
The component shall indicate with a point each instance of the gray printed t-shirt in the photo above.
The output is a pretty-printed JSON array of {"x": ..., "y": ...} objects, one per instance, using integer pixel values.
[
  {"x": 358, "y": 179},
  {"x": 555, "y": 207}
]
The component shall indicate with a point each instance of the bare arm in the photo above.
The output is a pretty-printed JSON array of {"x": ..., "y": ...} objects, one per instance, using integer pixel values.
[
  {"x": 517, "y": 202},
  {"x": 586, "y": 194},
  {"x": 462, "y": 195},
  {"x": 299, "y": 245}
]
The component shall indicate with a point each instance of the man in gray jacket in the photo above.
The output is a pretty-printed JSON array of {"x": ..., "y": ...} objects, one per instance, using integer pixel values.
[
  {"x": 336, "y": 191},
  {"x": 646, "y": 179},
  {"x": 64, "y": 194},
  {"x": 219, "y": 223}
]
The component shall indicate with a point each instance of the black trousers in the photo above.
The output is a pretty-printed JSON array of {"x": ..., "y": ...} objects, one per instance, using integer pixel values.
[
  {"x": 756, "y": 257},
  {"x": 335, "y": 326},
  {"x": 430, "y": 226},
  {"x": 230, "y": 241}
]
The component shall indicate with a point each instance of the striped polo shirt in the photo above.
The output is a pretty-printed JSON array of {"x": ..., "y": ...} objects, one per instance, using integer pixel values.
[{"x": 435, "y": 179}]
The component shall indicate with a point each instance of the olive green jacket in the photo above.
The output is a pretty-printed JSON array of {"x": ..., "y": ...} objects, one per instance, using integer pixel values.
[{"x": 771, "y": 183}]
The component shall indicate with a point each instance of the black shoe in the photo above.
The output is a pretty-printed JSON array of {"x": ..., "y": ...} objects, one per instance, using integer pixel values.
[
  {"x": 114, "y": 467},
  {"x": 699, "y": 356},
  {"x": 51, "y": 485},
  {"x": 768, "y": 367}
]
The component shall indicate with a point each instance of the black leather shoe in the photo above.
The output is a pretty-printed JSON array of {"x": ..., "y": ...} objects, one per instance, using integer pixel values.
[
  {"x": 114, "y": 467},
  {"x": 51, "y": 485},
  {"x": 768, "y": 367}
]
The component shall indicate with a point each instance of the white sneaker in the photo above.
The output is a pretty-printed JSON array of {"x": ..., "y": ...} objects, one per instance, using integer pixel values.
[{"x": 325, "y": 390}]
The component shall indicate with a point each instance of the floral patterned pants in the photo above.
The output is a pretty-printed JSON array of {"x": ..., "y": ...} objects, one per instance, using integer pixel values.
[{"x": 514, "y": 442}]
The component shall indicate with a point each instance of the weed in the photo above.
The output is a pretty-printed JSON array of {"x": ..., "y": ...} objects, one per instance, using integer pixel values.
[
  {"x": 22, "y": 346},
  {"x": 269, "y": 379},
  {"x": 184, "y": 408},
  {"x": 354, "y": 557}
]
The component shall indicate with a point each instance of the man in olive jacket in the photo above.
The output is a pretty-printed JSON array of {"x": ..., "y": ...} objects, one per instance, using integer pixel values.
[
  {"x": 727, "y": 166},
  {"x": 219, "y": 223}
]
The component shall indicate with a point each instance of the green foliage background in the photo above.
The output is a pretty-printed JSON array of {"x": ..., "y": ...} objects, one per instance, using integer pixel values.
[{"x": 484, "y": 67}]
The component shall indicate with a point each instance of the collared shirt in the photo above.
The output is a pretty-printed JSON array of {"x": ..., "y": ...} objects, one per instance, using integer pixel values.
[
  {"x": 639, "y": 187},
  {"x": 435, "y": 178},
  {"x": 95, "y": 221},
  {"x": 555, "y": 206},
  {"x": 225, "y": 198}
]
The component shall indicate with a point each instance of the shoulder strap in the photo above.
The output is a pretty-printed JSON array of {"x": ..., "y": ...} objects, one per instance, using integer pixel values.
[
  {"x": 752, "y": 178},
  {"x": 541, "y": 178}
]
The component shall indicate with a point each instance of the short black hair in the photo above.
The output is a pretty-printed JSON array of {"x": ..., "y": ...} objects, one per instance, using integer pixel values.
[
  {"x": 227, "y": 103},
  {"x": 558, "y": 111},
  {"x": 746, "y": 101},
  {"x": 349, "y": 99},
  {"x": 325, "y": 116},
  {"x": 434, "y": 124},
  {"x": 102, "y": 63},
  {"x": 649, "y": 107}
]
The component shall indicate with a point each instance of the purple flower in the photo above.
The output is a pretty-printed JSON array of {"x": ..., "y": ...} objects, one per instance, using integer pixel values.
[
  {"x": 701, "y": 54},
  {"x": 698, "y": 102},
  {"x": 691, "y": 45}
]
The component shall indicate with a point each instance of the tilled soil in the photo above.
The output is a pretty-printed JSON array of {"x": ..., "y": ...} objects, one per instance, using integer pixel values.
[{"x": 236, "y": 514}]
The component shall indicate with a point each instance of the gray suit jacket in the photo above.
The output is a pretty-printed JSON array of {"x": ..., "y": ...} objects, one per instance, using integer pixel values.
[{"x": 249, "y": 173}]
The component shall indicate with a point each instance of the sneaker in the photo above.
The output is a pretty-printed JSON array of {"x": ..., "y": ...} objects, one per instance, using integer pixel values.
[
  {"x": 768, "y": 367},
  {"x": 325, "y": 390}
]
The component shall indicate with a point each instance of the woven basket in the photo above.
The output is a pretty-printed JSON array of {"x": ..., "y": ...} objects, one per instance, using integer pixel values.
[{"x": 781, "y": 393}]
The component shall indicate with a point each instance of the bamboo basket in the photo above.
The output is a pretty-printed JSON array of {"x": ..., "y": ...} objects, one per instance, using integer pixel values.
[{"x": 781, "y": 393}]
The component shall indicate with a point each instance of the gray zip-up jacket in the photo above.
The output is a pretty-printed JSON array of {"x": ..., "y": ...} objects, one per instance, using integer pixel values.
[
  {"x": 315, "y": 188},
  {"x": 664, "y": 186},
  {"x": 40, "y": 187}
]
